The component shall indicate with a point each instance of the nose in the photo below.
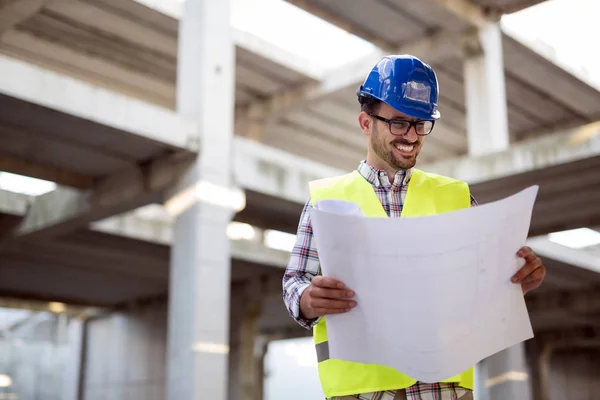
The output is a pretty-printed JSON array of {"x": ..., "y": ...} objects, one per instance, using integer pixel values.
[{"x": 411, "y": 135}]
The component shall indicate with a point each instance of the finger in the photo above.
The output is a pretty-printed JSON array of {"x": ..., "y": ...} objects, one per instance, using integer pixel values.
[
  {"x": 331, "y": 293},
  {"x": 330, "y": 283},
  {"x": 537, "y": 275},
  {"x": 329, "y": 311},
  {"x": 529, "y": 279},
  {"x": 527, "y": 253},
  {"x": 331, "y": 304},
  {"x": 526, "y": 287},
  {"x": 527, "y": 269}
]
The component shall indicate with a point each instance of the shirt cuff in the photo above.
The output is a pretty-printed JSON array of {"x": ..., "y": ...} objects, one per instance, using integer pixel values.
[{"x": 295, "y": 310}]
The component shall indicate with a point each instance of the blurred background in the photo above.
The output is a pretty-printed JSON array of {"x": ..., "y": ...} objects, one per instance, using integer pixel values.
[{"x": 155, "y": 156}]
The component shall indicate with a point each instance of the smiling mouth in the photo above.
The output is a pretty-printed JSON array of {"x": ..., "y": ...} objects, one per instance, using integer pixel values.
[{"x": 406, "y": 149}]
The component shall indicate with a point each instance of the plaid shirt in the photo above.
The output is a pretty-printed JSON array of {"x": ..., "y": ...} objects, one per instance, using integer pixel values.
[{"x": 304, "y": 265}]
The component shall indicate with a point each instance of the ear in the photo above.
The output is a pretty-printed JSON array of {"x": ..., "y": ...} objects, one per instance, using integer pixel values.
[{"x": 365, "y": 122}]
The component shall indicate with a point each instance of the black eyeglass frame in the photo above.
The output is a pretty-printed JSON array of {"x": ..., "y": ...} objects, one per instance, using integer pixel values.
[{"x": 410, "y": 124}]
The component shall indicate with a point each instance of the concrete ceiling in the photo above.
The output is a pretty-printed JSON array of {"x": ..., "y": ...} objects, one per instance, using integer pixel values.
[
  {"x": 130, "y": 48},
  {"x": 127, "y": 47}
]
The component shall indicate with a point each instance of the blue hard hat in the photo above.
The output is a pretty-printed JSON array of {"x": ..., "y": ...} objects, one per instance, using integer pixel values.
[{"x": 405, "y": 83}]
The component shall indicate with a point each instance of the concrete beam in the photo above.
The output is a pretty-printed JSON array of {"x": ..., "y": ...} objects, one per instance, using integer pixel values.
[
  {"x": 342, "y": 23},
  {"x": 12, "y": 207},
  {"x": 518, "y": 6},
  {"x": 270, "y": 171},
  {"x": 434, "y": 48},
  {"x": 13, "y": 203},
  {"x": 51, "y": 173},
  {"x": 13, "y": 12},
  {"x": 90, "y": 66},
  {"x": 282, "y": 57},
  {"x": 66, "y": 209},
  {"x": 152, "y": 225},
  {"x": 578, "y": 258},
  {"x": 62, "y": 93},
  {"x": 542, "y": 152},
  {"x": 160, "y": 230},
  {"x": 247, "y": 41},
  {"x": 471, "y": 12}
]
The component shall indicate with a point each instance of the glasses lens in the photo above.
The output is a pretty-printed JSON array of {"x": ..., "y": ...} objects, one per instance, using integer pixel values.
[
  {"x": 424, "y": 127},
  {"x": 400, "y": 127}
]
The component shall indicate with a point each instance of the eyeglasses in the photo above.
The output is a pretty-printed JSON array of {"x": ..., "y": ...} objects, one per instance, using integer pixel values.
[{"x": 400, "y": 127}]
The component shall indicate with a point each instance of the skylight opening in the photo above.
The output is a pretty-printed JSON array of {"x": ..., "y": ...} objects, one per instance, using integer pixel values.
[
  {"x": 322, "y": 44},
  {"x": 5, "y": 381},
  {"x": 25, "y": 184},
  {"x": 302, "y": 33},
  {"x": 539, "y": 27},
  {"x": 240, "y": 231},
  {"x": 576, "y": 238},
  {"x": 278, "y": 240}
]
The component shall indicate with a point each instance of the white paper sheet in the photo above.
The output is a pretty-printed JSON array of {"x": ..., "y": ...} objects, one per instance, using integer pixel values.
[{"x": 434, "y": 293}]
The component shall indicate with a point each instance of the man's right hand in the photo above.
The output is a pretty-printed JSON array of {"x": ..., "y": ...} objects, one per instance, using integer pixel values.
[{"x": 325, "y": 296}]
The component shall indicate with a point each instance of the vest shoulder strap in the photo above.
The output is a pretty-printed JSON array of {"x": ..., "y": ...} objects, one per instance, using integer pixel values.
[{"x": 330, "y": 187}]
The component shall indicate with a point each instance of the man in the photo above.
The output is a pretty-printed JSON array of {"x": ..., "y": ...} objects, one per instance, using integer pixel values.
[{"x": 399, "y": 107}]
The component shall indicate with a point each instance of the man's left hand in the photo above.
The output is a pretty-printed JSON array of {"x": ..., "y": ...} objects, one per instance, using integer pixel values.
[{"x": 531, "y": 275}]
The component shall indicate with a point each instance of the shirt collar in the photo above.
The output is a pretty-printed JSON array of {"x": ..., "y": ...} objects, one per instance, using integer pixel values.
[{"x": 379, "y": 178}]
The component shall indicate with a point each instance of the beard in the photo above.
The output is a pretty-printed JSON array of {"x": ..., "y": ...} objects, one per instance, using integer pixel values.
[{"x": 389, "y": 156}]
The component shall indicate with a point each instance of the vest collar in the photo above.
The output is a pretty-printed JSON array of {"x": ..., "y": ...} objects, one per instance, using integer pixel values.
[{"x": 379, "y": 178}]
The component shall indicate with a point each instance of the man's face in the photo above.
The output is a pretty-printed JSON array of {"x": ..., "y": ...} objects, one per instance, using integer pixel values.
[{"x": 398, "y": 152}]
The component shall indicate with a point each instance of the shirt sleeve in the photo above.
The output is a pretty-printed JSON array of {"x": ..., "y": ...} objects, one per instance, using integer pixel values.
[{"x": 302, "y": 267}]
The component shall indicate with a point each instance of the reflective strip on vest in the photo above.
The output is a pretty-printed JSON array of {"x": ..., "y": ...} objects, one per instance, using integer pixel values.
[
  {"x": 322, "y": 351},
  {"x": 428, "y": 194}
]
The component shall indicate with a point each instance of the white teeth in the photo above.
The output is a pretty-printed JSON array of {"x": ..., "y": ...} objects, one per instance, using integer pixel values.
[{"x": 406, "y": 148}]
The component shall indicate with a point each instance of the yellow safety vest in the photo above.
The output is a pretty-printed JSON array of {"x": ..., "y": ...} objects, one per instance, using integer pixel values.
[{"x": 428, "y": 194}]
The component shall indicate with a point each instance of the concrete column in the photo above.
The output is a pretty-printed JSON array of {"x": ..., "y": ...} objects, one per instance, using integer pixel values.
[
  {"x": 504, "y": 376},
  {"x": 73, "y": 372},
  {"x": 245, "y": 373},
  {"x": 263, "y": 348},
  {"x": 539, "y": 354},
  {"x": 485, "y": 91},
  {"x": 237, "y": 310},
  {"x": 249, "y": 333},
  {"x": 544, "y": 372},
  {"x": 198, "y": 321}
]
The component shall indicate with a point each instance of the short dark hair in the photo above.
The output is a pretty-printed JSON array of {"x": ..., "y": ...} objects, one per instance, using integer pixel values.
[{"x": 369, "y": 104}]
